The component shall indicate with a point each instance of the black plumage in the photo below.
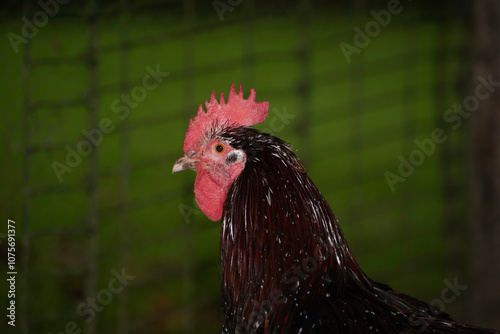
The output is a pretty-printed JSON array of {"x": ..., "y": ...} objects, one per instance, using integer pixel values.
[{"x": 286, "y": 265}]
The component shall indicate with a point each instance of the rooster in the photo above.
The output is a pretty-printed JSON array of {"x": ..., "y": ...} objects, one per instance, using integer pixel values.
[{"x": 286, "y": 266}]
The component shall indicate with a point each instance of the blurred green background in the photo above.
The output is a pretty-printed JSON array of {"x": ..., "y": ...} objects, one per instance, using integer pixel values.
[{"x": 122, "y": 208}]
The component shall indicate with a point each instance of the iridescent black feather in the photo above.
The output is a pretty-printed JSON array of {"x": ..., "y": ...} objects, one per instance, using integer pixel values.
[{"x": 286, "y": 266}]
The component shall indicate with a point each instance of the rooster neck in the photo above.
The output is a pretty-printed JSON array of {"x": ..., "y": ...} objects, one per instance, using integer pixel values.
[
  {"x": 285, "y": 263},
  {"x": 281, "y": 244}
]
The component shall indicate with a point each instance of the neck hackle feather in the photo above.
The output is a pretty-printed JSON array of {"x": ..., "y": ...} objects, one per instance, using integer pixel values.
[{"x": 286, "y": 266}]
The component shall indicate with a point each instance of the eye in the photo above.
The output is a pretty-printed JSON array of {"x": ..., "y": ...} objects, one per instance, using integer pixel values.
[{"x": 219, "y": 148}]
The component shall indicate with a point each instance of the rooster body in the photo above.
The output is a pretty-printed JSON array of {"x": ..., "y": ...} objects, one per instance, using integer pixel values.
[{"x": 286, "y": 266}]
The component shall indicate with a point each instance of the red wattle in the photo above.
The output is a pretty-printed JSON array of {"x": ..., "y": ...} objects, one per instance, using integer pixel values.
[{"x": 209, "y": 194}]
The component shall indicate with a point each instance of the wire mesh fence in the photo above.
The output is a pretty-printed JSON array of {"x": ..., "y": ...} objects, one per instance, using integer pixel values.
[{"x": 111, "y": 242}]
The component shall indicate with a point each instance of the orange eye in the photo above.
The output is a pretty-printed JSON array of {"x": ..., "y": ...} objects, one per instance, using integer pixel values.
[{"x": 219, "y": 148}]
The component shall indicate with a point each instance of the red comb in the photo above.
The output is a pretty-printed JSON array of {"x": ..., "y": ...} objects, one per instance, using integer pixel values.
[{"x": 235, "y": 113}]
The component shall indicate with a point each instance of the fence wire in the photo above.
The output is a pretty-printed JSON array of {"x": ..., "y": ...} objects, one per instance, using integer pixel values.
[{"x": 120, "y": 208}]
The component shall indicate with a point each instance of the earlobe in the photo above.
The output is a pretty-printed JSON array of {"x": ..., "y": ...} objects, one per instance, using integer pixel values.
[{"x": 234, "y": 157}]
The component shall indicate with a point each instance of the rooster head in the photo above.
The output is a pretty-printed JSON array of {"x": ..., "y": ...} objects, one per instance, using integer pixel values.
[{"x": 207, "y": 152}]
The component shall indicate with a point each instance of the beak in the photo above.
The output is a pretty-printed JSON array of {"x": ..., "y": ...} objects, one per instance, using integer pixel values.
[{"x": 184, "y": 163}]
